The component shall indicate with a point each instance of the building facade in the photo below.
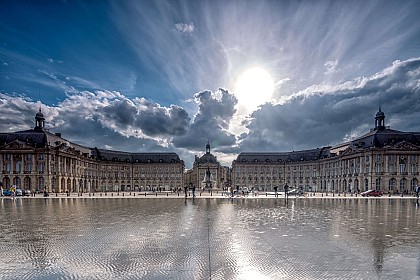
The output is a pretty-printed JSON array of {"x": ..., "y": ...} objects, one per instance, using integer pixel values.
[
  {"x": 207, "y": 172},
  {"x": 38, "y": 160},
  {"x": 382, "y": 159}
]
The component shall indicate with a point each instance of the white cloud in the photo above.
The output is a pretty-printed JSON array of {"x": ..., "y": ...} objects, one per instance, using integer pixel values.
[
  {"x": 331, "y": 67},
  {"x": 185, "y": 28}
]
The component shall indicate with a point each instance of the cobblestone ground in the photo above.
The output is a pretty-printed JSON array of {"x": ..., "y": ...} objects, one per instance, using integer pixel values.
[{"x": 211, "y": 238}]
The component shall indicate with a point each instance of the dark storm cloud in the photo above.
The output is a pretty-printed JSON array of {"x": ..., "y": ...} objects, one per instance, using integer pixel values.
[
  {"x": 211, "y": 122},
  {"x": 158, "y": 121},
  {"x": 325, "y": 115},
  {"x": 146, "y": 116},
  {"x": 123, "y": 112}
]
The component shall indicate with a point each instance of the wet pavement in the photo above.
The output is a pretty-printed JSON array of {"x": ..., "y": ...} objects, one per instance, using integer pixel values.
[{"x": 211, "y": 238}]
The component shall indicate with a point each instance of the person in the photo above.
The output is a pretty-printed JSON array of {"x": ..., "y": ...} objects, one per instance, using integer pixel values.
[
  {"x": 193, "y": 190},
  {"x": 275, "y": 191},
  {"x": 417, "y": 191},
  {"x": 186, "y": 191}
]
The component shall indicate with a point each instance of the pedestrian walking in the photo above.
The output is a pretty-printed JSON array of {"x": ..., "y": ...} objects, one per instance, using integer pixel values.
[
  {"x": 193, "y": 190},
  {"x": 417, "y": 191},
  {"x": 186, "y": 191},
  {"x": 275, "y": 191}
]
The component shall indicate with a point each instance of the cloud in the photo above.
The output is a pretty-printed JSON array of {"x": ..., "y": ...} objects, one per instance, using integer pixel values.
[
  {"x": 185, "y": 28},
  {"x": 331, "y": 67},
  {"x": 330, "y": 114},
  {"x": 211, "y": 122},
  {"x": 317, "y": 116}
]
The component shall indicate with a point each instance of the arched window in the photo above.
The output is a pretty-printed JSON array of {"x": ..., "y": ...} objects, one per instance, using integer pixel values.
[{"x": 392, "y": 185}]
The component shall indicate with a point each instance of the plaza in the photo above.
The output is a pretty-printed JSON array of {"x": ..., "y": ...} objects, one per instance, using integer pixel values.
[{"x": 209, "y": 238}]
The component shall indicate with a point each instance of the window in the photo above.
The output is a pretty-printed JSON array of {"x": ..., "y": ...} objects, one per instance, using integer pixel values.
[
  {"x": 402, "y": 168},
  {"x": 413, "y": 168},
  {"x": 378, "y": 168},
  {"x": 28, "y": 167},
  {"x": 41, "y": 157}
]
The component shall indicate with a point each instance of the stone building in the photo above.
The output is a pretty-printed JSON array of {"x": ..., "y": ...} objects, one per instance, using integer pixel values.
[
  {"x": 38, "y": 160},
  {"x": 207, "y": 172},
  {"x": 382, "y": 159}
]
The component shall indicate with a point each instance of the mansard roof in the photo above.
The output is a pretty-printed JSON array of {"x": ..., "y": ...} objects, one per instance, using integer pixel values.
[
  {"x": 38, "y": 138},
  {"x": 207, "y": 158},
  {"x": 295, "y": 156},
  {"x": 109, "y": 155},
  {"x": 379, "y": 139}
]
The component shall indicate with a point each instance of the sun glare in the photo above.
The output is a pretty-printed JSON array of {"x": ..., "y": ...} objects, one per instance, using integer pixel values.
[{"x": 254, "y": 87}]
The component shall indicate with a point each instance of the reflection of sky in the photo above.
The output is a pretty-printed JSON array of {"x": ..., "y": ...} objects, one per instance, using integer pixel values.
[{"x": 243, "y": 239}]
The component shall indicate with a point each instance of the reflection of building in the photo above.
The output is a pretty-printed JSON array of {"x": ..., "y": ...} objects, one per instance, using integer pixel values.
[
  {"x": 207, "y": 171},
  {"x": 36, "y": 159},
  {"x": 382, "y": 159}
]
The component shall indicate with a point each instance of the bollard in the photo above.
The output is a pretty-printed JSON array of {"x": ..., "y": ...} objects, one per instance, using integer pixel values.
[
  {"x": 145, "y": 194},
  {"x": 134, "y": 194},
  {"x": 266, "y": 194},
  {"x": 123, "y": 194},
  {"x": 106, "y": 194},
  {"x": 89, "y": 194},
  {"x": 93, "y": 194},
  {"x": 118, "y": 193},
  {"x": 56, "y": 194},
  {"x": 322, "y": 194},
  {"x": 167, "y": 194},
  {"x": 130, "y": 193},
  {"x": 112, "y": 194},
  {"x": 200, "y": 193},
  {"x": 100, "y": 194}
]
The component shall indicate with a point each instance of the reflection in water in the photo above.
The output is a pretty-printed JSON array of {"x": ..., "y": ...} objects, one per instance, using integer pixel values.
[{"x": 116, "y": 238}]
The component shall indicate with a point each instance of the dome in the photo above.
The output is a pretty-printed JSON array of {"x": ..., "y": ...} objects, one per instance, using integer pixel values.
[
  {"x": 39, "y": 114},
  {"x": 380, "y": 114}
]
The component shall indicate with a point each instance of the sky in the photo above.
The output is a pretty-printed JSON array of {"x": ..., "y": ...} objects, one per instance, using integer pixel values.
[{"x": 245, "y": 76}]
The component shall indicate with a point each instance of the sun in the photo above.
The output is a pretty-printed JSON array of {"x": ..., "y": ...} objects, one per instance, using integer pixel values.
[{"x": 253, "y": 87}]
